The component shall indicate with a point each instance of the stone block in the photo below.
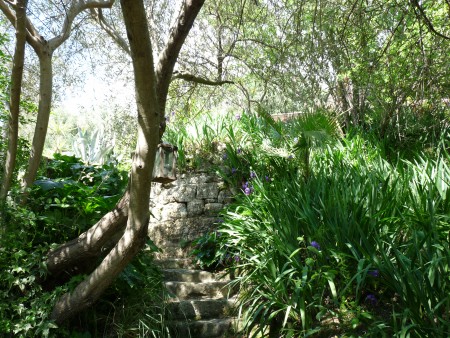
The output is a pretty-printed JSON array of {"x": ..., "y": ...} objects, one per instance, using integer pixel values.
[
  {"x": 195, "y": 207},
  {"x": 173, "y": 210},
  {"x": 213, "y": 208},
  {"x": 207, "y": 191},
  {"x": 183, "y": 193},
  {"x": 155, "y": 214}
]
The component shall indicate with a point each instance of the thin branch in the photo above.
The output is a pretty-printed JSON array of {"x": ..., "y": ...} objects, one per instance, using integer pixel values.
[
  {"x": 114, "y": 34},
  {"x": 170, "y": 52},
  {"x": 427, "y": 21},
  {"x": 197, "y": 79}
]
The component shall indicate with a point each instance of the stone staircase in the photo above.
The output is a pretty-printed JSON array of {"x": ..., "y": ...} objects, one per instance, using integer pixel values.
[{"x": 200, "y": 303}]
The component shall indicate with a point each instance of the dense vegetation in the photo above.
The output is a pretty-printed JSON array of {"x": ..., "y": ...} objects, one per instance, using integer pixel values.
[
  {"x": 341, "y": 219},
  {"x": 329, "y": 237},
  {"x": 66, "y": 199}
]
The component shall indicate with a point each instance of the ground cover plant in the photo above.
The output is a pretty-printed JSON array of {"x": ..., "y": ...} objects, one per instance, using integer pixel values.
[
  {"x": 67, "y": 197},
  {"x": 330, "y": 238}
]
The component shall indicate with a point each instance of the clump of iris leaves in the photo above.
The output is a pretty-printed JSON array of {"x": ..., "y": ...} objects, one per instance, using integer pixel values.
[{"x": 327, "y": 237}]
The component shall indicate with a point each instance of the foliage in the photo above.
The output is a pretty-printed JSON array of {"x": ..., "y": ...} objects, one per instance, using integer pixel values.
[
  {"x": 24, "y": 305},
  {"x": 208, "y": 255},
  {"x": 63, "y": 203},
  {"x": 90, "y": 147},
  {"x": 200, "y": 139},
  {"x": 359, "y": 236},
  {"x": 72, "y": 196}
]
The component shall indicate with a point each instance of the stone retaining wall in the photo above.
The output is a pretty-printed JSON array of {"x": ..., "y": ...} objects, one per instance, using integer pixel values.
[{"x": 185, "y": 210}]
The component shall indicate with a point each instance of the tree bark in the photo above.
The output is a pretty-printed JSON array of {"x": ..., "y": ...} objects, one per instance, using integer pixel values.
[
  {"x": 65, "y": 258},
  {"x": 14, "y": 106},
  {"x": 169, "y": 54},
  {"x": 44, "y": 49},
  {"x": 134, "y": 207}
]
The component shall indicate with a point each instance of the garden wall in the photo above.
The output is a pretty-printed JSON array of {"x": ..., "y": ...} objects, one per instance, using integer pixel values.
[{"x": 185, "y": 210}]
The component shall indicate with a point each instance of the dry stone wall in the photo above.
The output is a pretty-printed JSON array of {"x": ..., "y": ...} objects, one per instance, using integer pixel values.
[{"x": 185, "y": 210}]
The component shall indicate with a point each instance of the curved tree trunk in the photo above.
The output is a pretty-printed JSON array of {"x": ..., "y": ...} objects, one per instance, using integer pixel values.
[
  {"x": 135, "y": 233},
  {"x": 151, "y": 96},
  {"x": 71, "y": 257},
  {"x": 16, "y": 86}
]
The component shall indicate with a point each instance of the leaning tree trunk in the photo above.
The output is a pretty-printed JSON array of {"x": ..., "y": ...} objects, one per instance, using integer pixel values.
[
  {"x": 135, "y": 233},
  {"x": 78, "y": 256},
  {"x": 40, "y": 131},
  {"x": 151, "y": 96},
  {"x": 14, "y": 106}
]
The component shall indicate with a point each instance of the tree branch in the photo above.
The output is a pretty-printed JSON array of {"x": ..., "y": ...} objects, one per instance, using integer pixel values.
[
  {"x": 98, "y": 16},
  {"x": 197, "y": 79},
  {"x": 425, "y": 18},
  {"x": 76, "y": 8},
  {"x": 169, "y": 54}
]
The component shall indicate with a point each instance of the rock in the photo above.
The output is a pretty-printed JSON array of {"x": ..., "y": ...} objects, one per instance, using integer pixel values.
[
  {"x": 173, "y": 211},
  {"x": 195, "y": 208},
  {"x": 207, "y": 190},
  {"x": 213, "y": 208}
]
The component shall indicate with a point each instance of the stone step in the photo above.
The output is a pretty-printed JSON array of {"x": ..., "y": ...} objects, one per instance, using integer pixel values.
[
  {"x": 173, "y": 252},
  {"x": 193, "y": 290},
  {"x": 212, "y": 328},
  {"x": 189, "y": 275},
  {"x": 174, "y": 263},
  {"x": 200, "y": 309}
]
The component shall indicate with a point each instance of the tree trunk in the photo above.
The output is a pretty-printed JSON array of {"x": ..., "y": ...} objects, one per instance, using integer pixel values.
[
  {"x": 76, "y": 256},
  {"x": 135, "y": 233},
  {"x": 169, "y": 55},
  {"x": 151, "y": 96},
  {"x": 40, "y": 131},
  {"x": 14, "y": 106}
]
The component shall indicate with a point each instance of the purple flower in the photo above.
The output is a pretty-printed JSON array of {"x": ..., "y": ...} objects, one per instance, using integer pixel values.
[
  {"x": 316, "y": 245},
  {"x": 371, "y": 299},
  {"x": 267, "y": 178},
  {"x": 233, "y": 170},
  {"x": 237, "y": 258},
  {"x": 247, "y": 191},
  {"x": 239, "y": 150},
  {"x": 224, "y": 156},
  {"x": 374, "y": 273},
  {"x": 173, "y": 113},
  {"x": 252, "y": 174},
  {"x": 238, "y": 117},
  {"x": 291, "y": 156}
]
